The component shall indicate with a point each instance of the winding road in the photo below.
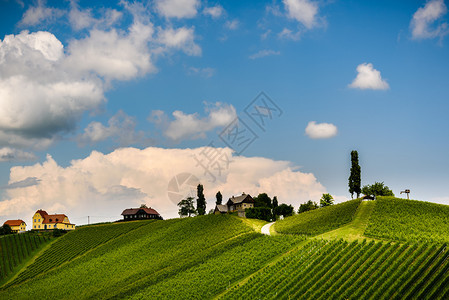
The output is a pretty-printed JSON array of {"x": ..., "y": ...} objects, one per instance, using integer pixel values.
[{"x": 266, "y": 228}]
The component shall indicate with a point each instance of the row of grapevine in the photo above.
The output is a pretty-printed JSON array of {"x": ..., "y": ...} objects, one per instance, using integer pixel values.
[
  {"x": 320, "y": 220},
  {"x": 215, "y": 275},
  {"x": 357, "y": 270},
  {"x": 145, "y": 256},
  {"x": 15, "y": 248},
  {"x": 73, "y": 244},
  {"x": 409, "y": 220}
]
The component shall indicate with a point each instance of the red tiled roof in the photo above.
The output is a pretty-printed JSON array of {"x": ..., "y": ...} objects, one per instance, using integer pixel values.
[
  {"x": 14, "y": 222},
  {"x": 133, "y": 211},
  {"x": 59, "y": 218},
  {"x": 43, "y": 213}
]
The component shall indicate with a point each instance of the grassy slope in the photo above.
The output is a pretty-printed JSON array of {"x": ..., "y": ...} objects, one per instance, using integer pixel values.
[
  {"x": 409, "y": 220},
  {"x": 208, "y": 256},
  {"x": 157, "y": 256},
  {"x": 319, "y": 220}
]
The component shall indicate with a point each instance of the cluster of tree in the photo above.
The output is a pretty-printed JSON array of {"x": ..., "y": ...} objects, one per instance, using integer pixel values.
[
  {"x": 187, "y": 208},
  {"x": 268, "y": 209},
  {"x": 377, "y": 189},
  {"x": 326, "y": 200},
  {"x": 5, "y": 229}
]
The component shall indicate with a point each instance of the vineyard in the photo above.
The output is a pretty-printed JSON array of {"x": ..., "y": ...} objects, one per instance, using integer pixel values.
[
  {"x": 385, "y": 249},
  {"x": 16, "y": 248},
  {"x": 357, "y": 270},
  {"x": 319, "y": 220},
  {"x": 74, "y": 244},
  {"x": 409, "y": 220}
]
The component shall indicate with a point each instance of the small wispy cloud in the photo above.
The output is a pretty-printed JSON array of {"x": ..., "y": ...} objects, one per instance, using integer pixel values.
[
  {"x": 29, "y": 181},
  {"x": 423, "y": 23},
  {"x": 263, "y": 53}
]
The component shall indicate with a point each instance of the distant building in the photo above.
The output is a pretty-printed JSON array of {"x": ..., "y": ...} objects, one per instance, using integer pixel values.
[
  {"x": 16, "y": 225},
  {"x": 236, "y": 204},
  {"x": 143, "y": 213},
  {"x": 42, "y": 220}
]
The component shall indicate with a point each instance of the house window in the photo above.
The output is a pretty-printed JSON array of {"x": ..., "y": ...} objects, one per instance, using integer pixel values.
[
  {"x": 39, "y": 226},
  {"x": 34, "y": 226},
  {"x": 54, "y": 226},
  {"x": 34, "y": 220}
]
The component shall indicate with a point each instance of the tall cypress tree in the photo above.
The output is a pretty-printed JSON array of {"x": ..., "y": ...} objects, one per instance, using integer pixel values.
[
  {"x": 355, "y": 176},
  {"x": 201, "y": 201},
  {"x": 219, "y": 197}
]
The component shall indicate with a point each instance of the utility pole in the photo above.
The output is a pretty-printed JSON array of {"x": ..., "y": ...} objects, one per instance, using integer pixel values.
[{"x": 88, "y": 220}]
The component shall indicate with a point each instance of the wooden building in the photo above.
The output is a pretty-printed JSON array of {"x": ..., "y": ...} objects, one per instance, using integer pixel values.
[{"x": 143, "y": 213}]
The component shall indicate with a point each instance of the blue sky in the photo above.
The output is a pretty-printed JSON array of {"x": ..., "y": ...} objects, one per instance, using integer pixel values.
[{"x": 172, "y": 74}]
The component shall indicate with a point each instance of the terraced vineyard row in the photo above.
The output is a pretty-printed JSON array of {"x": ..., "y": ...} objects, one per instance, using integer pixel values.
[
  {"x": 342, "y": 270},
  {"x": 319, "y": 220},
  {"x": 226, "y": 267},
  {"x": 420, "y": 221},
  {"x": 74, "y": 244},
  {"x": 15, "y": 248},
  {"x": 146, "y": 256}
]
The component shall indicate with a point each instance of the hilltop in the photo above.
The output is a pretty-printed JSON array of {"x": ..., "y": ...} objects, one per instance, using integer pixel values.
[{"x": 357, "y": 249}]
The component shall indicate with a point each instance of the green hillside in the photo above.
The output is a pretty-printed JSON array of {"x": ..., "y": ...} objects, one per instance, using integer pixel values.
[
  {"x": 320, "y": 220},
  {"x": 17, "y": 249},
  {"x": 354, "y": 250},
  {"x": 409, "y": 220}
]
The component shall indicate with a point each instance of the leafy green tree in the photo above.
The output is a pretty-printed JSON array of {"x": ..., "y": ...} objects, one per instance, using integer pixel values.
[
  {"x": 186, "y": 207},
  {"x": 355, "y": 176},
  {"x": 309, "y": 205},
  {"x": 284, "y": 210},
  {"x": 326, "y": 200},
  {"x": 219, "y": 197},
  {"x": 262, "y": 200},
  {"x": 5, "y": 229},
  {"x": 201, "y": 201},
  {"x": 377, "y": 189},
  {"x": 261, "y": 213}
]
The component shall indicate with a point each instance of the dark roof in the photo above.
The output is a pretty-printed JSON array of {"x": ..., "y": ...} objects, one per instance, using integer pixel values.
[
  {"x": 240, "y": 199},
  {"x": 221, "y": 208},
  {"x": 368, "y": 197},
  {"x": 133, "y": 211},
  {"x": 14, "y": 222}
]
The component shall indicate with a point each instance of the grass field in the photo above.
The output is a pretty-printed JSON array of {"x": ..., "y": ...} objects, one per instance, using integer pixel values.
[
  {"x": 319, "y": 220},
  {"x": 354, "y": 250},
  {"x": 409, "y": 220}
]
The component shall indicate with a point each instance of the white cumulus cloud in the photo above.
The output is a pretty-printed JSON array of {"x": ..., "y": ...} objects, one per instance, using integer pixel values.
[
  {"x": 11, "y": 154},
  {"x": 303, "y": 11},
  {"x": 316, "y": 130},
  {"x": 105, "y": 184},
  {"x": 178, "y": 8},
  {"x": 181, "y": 38},
  {"x": 45, "y": 86},
  {"x": 368, "y": 78},
  {"x": 192, "y": 126},
  {"x": 423, "y": 22},
  {"x": 39, "y": 13},
  {"x": 121, "y": 128},
  {"x": 214, "y": 11},
  {"x": 232, "y": 25}
]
